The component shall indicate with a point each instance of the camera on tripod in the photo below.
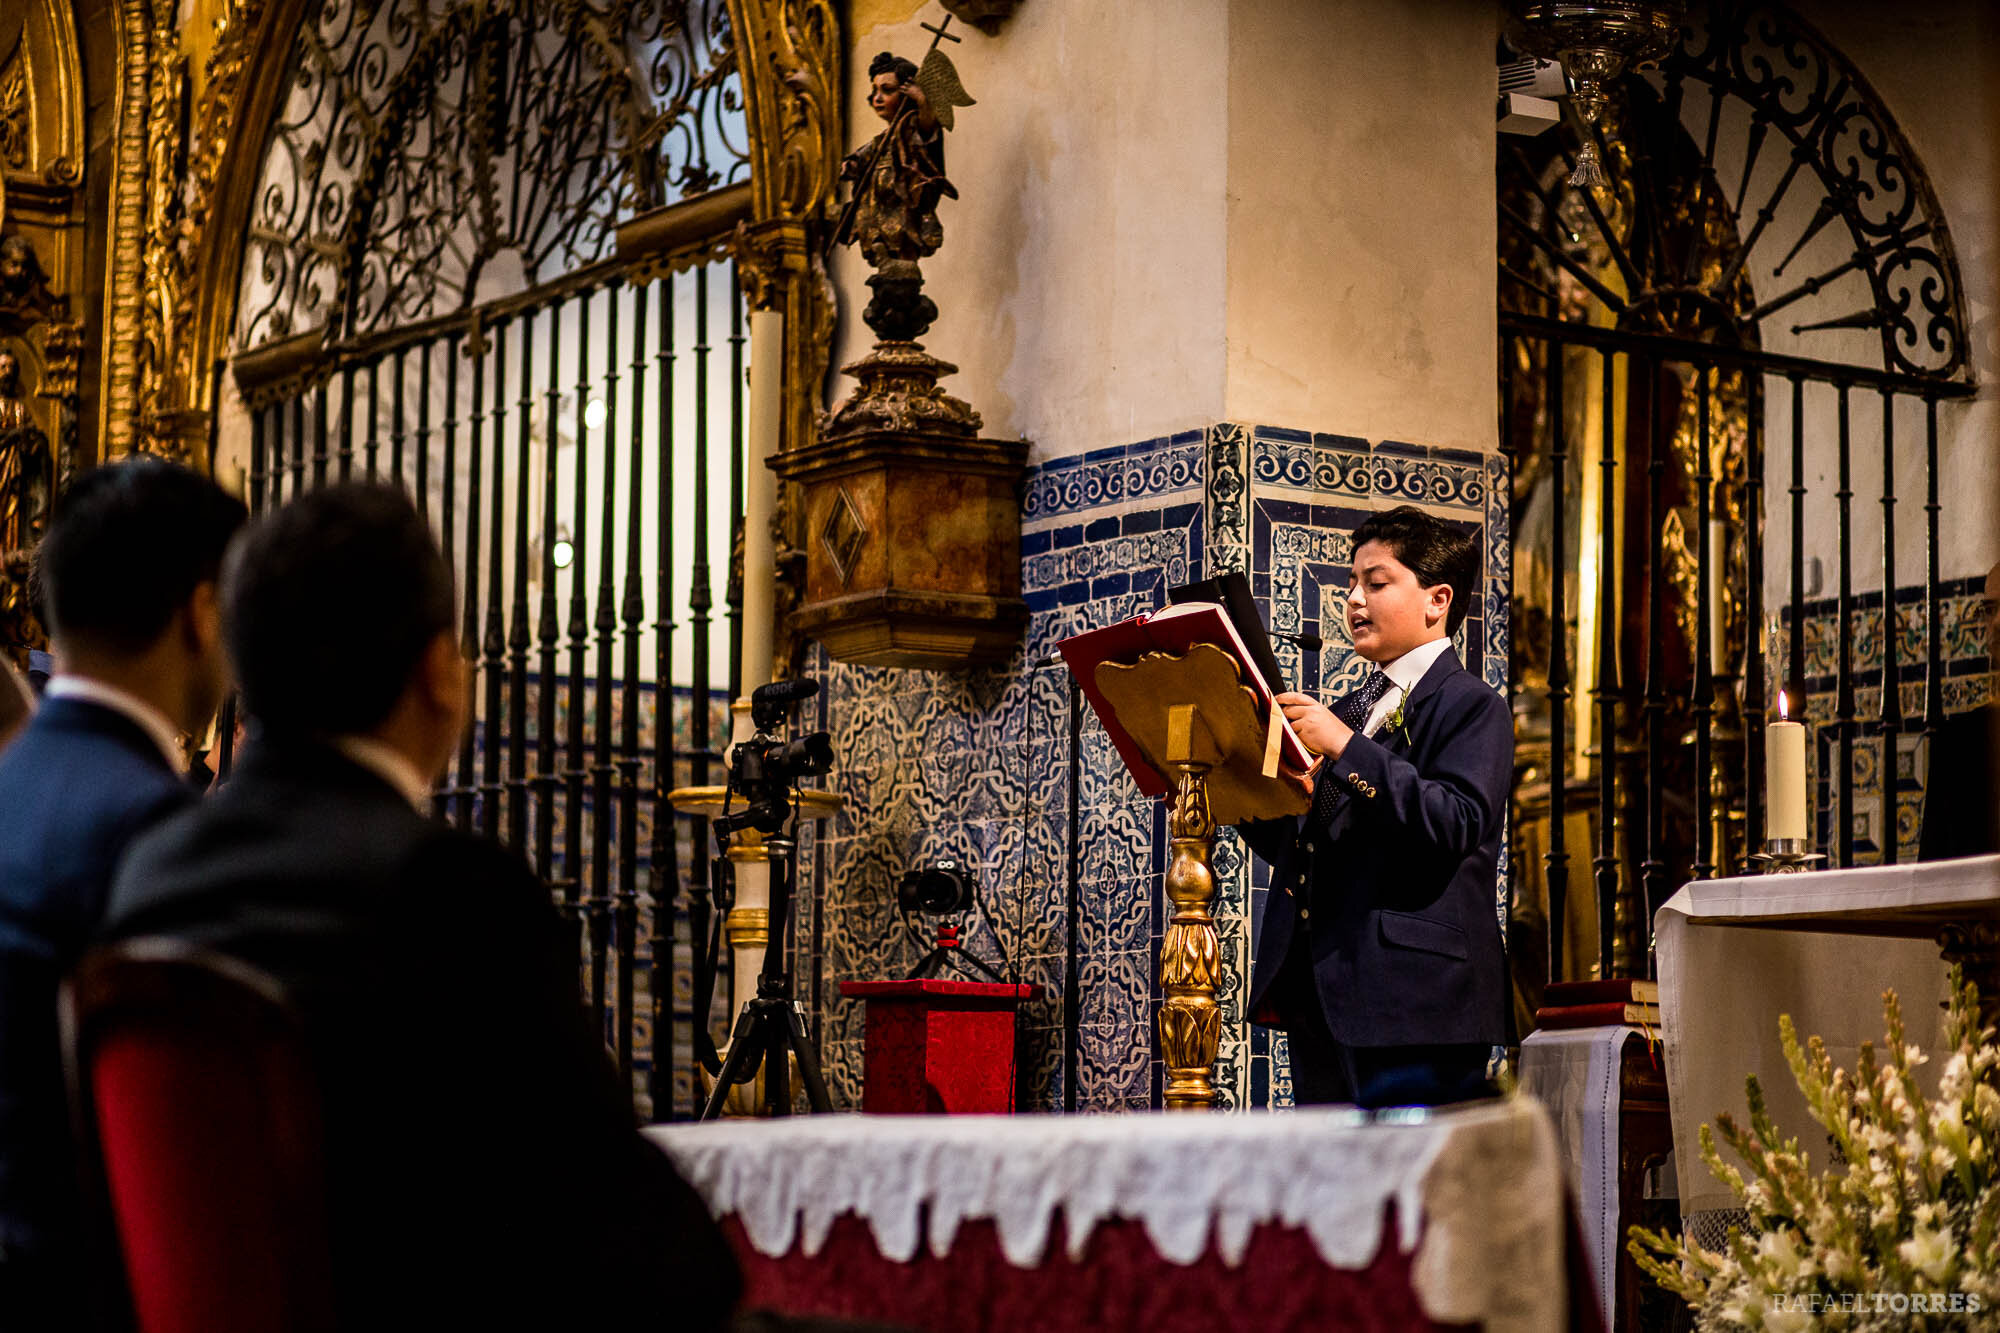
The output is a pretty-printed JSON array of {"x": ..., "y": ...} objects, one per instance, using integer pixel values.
[
  {"x": 764, "y": 772},
  {"x": 764, "y": 769}
]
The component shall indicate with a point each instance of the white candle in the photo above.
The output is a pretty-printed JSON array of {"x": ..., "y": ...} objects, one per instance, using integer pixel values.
[
  {"x": 760, "y": 493},
  {"x": 1785, "y": 777}
]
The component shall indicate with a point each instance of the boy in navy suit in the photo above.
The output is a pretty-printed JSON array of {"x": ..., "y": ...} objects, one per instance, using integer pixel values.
[
  {"x": 127, "y": 575},
  {"x": 1379, "y": 949}
]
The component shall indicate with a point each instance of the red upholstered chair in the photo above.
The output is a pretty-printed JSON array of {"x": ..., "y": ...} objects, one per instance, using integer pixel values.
[{"x": 197, "y": 1114}]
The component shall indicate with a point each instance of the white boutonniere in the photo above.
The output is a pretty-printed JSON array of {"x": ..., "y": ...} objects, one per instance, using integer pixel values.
[{"x": 1394, "y": 722}]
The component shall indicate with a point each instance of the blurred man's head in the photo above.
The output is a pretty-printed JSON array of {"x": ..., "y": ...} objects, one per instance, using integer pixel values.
[
  {"x": 338, "y": 611},
  {"x": 127, "y": 580}
]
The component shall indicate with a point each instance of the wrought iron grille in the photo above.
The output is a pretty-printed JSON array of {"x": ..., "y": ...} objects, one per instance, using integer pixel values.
[
  {"x": 1642, "y": 402},
  {"x": 431, "y": 297},
  {"x": 434, "y": 153}
]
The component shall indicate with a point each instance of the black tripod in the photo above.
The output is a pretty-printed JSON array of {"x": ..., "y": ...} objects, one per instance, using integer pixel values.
[
  {"x": 950, "y": 949},
  {"x": 770, "y": 1027}
]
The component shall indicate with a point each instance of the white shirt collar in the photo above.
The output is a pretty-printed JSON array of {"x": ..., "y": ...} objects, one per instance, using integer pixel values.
[
  {"x": 1407, "y": 670},
  {"x": 389, "y": 764},
  {"x": 148, "y": 718}
]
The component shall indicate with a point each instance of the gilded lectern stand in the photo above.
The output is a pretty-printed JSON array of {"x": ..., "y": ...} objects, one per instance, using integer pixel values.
[{"x": 1218, "y": 748}]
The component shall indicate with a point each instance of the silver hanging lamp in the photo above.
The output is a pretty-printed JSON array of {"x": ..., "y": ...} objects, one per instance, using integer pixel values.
[{"x": 1595, "y": 41}]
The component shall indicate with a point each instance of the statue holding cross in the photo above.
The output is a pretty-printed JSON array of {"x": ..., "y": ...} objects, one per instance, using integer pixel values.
[{"x": 898, "y": 179}]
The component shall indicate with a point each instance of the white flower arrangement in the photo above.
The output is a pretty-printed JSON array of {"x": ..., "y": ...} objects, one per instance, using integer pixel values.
[{"x": 1900, "y": 1233}]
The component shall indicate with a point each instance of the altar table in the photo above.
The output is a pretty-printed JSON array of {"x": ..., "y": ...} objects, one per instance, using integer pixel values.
[
  {"x": 1736, "y": 953},
  {"x": 1320, "y": 1219}
]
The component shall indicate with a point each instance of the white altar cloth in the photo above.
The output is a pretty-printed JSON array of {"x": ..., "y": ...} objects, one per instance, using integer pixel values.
[
  {"x": 1736, "y": 953},
  {"x": 1575, "y": 1073},
  {"x": 1477, "y": 1190}
]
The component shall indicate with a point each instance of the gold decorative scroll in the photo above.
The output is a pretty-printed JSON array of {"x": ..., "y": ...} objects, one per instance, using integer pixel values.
[
  {"x": 788, "y": 55},
  {"x": 184, "y": 173}
]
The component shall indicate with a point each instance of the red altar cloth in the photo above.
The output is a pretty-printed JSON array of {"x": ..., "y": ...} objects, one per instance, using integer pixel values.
[
  {"x": 1120, "y": 1283},
  {"x": 936, "y": 1045},
  {"x": 1180, "y": 1222}
]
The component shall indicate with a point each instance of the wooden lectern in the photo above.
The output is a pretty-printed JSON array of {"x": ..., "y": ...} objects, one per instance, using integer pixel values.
[{"x": 1218, "y": 748}]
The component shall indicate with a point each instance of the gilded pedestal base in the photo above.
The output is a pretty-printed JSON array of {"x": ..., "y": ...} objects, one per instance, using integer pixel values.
[{"x": 1190, "y": 956}]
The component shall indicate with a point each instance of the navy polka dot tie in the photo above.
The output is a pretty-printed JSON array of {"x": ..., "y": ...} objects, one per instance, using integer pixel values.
[{"x": 1328, "y": 793}]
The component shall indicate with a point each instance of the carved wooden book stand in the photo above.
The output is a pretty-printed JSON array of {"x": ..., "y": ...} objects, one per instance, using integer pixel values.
[{"x": 1203, "y": 731}]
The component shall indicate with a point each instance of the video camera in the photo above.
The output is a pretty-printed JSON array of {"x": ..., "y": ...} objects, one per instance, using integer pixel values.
[{"x": 764, "y": 769}]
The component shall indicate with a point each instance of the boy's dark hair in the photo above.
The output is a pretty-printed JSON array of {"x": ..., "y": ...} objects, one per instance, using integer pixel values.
[
  {"x": 1435, "y": 551},
  {"x": 129, "y": 544},
  {"x": 329, "y": 605},
  {"x": 888, "y": 62}
]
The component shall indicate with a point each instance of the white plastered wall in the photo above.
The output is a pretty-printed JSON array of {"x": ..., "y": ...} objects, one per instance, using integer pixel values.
[
  {"x": 1264, "y": 211},
  {"x": 1361, "y": 219},
  {"x": 1081, "y": 281}
]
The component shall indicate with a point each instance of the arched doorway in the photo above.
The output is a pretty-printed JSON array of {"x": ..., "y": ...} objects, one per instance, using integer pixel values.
[
  {"x": 438, "y": 288},
  {"x": 1765, "y": 281}
]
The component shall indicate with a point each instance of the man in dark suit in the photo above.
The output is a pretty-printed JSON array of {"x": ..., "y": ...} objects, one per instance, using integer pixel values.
[
  {"x": 484, "y": 1169},
  {"x": 127, "y": 575},
  {"x": 1961, "y": 796},
  {"x": 1379, "y": 949}
]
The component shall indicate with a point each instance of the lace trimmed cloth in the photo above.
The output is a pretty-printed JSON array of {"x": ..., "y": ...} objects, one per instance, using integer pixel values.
[{"x": 1478, "y": 1191}]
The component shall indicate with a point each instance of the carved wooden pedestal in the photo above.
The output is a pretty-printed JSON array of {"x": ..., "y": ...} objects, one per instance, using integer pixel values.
[
  {"x": 912, "y": 522},
  {"x": 913, "y": 548},
  {"x": 1190, "y": 1020},
  {"x": 1201, "y": 729}
]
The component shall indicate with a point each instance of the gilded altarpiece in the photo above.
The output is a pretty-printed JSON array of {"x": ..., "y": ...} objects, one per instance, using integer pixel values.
[{"x": 43, "y": 253}]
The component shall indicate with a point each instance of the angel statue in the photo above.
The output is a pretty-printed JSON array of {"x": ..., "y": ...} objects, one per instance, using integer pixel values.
[{"x": 898, "y": 179}]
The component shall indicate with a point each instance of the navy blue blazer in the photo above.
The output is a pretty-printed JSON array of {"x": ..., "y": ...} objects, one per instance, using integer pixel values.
[
  {"x": 75, "y": 788},
  {"x": 1405, "y": 934}
]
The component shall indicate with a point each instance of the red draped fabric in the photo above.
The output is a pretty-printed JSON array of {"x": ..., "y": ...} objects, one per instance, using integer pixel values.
[{"x": 1119, "y": 1283}]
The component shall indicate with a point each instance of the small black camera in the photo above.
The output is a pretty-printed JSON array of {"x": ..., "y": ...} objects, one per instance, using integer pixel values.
[
  {"x": 764, "y": 769},
  {"x": 937, "y": 887}
]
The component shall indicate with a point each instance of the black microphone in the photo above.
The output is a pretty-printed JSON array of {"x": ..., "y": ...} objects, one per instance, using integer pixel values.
[
  {"x": 1312, "y": 643},
  {"x": 785, "y": 691}
]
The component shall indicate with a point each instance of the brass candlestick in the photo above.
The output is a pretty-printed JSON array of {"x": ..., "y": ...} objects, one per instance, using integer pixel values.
[{"x": 1785, "y": 856}]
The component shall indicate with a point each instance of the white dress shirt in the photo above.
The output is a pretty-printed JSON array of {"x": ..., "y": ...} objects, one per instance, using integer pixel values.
[
  {"x": 1404, "y": 673},
  {"x": 389, "y": 764},
  {"x": 148, "y": 718}
]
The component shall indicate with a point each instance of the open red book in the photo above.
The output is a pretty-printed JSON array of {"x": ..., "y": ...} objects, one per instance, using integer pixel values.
[{"x": 1174, "y": 630}]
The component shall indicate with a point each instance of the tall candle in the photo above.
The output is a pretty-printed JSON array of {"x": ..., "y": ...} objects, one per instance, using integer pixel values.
[{"x": 1785, "y": 777}]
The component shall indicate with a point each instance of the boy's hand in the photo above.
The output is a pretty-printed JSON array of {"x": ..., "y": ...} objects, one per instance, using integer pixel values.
[{"x": 1322, "y": 732}]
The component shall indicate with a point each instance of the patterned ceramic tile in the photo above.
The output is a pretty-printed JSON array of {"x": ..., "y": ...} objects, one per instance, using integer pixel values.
[{"x": 1965, "y": 682}]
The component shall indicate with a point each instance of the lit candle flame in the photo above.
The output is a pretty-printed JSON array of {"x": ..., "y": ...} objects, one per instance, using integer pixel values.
[{"x": 1781, "y": 706}]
